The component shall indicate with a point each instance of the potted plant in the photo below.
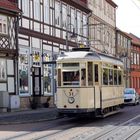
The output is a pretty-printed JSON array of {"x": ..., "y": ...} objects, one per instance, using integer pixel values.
[
  {"x": 47, "y": 104},
  {"x": 33, "y": 103}
]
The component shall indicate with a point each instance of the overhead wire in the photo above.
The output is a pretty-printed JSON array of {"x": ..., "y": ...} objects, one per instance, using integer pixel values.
[{"x": 136, "y": 4}]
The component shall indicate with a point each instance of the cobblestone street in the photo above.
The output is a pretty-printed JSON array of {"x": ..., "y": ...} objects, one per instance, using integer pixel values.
[{"x": 33, "y": 125}]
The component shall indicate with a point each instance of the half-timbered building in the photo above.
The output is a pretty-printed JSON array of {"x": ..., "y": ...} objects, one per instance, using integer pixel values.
[
  {"x": 9, "y": 15},
  {"x": 47, "y": 28}
]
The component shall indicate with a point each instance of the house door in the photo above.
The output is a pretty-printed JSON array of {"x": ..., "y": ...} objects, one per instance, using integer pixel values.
[{"x": 36, "y": 78}]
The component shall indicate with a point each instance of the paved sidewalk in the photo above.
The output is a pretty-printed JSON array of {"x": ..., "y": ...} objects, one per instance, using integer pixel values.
[{"x": 28, "y": 116}]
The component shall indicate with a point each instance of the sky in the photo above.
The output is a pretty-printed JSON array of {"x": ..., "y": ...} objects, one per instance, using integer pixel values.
[{"x": 128, "y": 16}]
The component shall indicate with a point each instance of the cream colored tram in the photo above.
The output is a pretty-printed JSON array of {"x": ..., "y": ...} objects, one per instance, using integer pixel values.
[{"x": 89, "y": 82}]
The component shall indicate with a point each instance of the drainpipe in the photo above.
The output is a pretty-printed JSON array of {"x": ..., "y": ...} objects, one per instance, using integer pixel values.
[{"x": 17, "y": 53}]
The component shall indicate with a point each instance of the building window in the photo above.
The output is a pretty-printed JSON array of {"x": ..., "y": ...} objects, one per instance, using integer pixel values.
[
  {"x": 23, "y": 73},
  {"x": 57, "y": 14},
  {"x": 129, "y": 43},
  {"x": 52, "y": 3},
  {"x": 64, "y": 16},
  {"x": 2, "y": 70},
  {"x": 25, "y": 7},
  {"x": 138, "y": 59},
  {"x": 4, "y": 28},
  {"x": 37, "y": 10},
  {"x": 84, "y": 25},
  {"x": 135, "y": 58},
  {"x": 46, "y": 11},
  {"x": 73, "y": 21},
  {"x": 118, "y": 38},
  {"x": 79, "y": 22},
  {"x": 132, "y": 58},
  {"x": 47, "y": 79},
  {"x": 3, "y": 24}
]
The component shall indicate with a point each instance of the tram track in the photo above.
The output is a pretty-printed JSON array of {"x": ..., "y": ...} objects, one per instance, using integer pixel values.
[
  {"x": 134, "y": 136},
  {"x": 64, "y": 130},
  {"x": 123, "y": 131},
  {"x": 35, "y": 130},
  {"x": 49, "y": 129},
  {"x": 77, "y": 128},
  {"x": 74, "y": 129},
  {"x": 31, "y": 135}
]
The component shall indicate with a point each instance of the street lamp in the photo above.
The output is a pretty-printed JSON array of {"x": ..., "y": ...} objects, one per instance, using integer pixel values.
[{"x": 74, "y": 35}]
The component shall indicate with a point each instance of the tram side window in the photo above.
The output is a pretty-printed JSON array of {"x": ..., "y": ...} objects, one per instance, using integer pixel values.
[
  {"x": 119, "y": 77},
  {"x": 83, "y": 77},
  {"x": 110, "y": 76},
  {"x": 115, "y": 77},
  {"x": 90, "y": 73},
  {"x": 59, "y": 77},
  {"x": 105, "y": 76},
  {"x": 96, "y": 73}
]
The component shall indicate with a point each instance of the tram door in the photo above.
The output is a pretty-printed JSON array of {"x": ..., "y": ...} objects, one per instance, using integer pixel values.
[{"x": 97, "y": 78}]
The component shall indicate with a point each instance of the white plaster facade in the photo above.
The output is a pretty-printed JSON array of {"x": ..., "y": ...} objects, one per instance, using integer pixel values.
[{"x": 102, "y": 25}]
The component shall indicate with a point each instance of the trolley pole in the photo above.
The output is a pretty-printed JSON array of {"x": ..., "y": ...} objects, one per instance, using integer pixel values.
[{"x": 74, "y": 35}]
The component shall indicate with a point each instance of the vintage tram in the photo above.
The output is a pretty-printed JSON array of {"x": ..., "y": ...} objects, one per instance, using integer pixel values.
[{"x": 89, "y": 83}]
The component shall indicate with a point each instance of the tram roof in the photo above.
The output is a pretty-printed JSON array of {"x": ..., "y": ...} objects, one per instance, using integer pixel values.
[{"x": 88, "y": 55}]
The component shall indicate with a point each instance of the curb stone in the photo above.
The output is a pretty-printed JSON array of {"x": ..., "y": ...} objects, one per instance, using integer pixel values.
[{"x": 31, "y": 121}]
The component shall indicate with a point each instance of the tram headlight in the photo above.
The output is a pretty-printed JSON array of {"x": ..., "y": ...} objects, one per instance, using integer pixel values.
[{"x": 71, "y": 100}]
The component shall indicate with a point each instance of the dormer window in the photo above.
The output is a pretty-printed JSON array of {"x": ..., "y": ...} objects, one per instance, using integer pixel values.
[{"x": 3, "y": 24}]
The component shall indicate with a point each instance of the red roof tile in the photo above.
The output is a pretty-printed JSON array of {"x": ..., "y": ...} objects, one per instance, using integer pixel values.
[
  {"x": 135, "y": 39},
  {"x": 7, "y": 5}
]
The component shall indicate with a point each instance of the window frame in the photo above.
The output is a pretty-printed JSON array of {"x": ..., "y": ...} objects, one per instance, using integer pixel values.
[
  {"x": 25, "y": 7},
  {"x": 57, "y": 14},
  {"x": 26, "y": 64},
  {"x": 3, "y": 71},
  {"x": 4, "y": 22},
  {"x": 46, "y": 11},
  {"x": 37, "y": 10}
]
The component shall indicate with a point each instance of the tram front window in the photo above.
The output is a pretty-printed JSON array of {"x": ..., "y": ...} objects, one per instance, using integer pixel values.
[{"x": 71, "y": 78}]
